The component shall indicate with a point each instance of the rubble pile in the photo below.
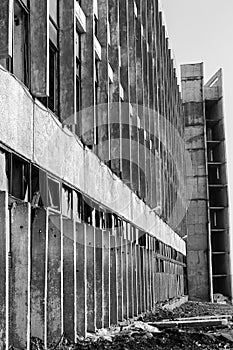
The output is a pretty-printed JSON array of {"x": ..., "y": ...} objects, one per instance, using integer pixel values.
[{"x": 201, "y": 332}]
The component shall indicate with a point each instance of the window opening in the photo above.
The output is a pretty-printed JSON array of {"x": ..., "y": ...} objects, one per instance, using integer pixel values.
[
  {"x": 67, "y": 202},
  {"x": 20, "y": 179},
  {"x": 38, "y": 188},
  {"x": 54, "y": 194},
  {"x": 19, "y": 63}
]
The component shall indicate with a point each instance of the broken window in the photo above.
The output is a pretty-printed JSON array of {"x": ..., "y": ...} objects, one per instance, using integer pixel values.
[
  {"x": 108, "y": 221},
  {"x": 38, "y": 188},
  {"x": 54, "y": 194},
  {"x": 78, "y": 74},
  {"x": 52, "y": 101},
  {"x": 88, "y": 210},
  {"x": 19, "y": 187},
  {"x": 19, "y": 63},
  {"x": 67, "y": 203}
]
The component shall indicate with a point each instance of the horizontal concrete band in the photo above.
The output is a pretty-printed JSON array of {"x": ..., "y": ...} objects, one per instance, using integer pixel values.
[{"x": 32, "y": 131}]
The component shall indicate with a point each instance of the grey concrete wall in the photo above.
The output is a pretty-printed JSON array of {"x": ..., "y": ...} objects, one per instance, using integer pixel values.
[
  {"x": 197, "y": 215},
  {"x": 32, "y": 131}
]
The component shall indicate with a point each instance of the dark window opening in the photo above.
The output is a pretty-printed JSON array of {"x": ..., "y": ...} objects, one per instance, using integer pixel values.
[
  {"x": 67, "y": 201},
  {"x": 38, "y": 188},
  {"x": 53, "y": 78},
  {"x": 79, "y": 214},
  {"x": 54, "y": 194},
  {"x": 19, "y": 63},
  {"x": 20, "y": 179},
  {"x": 97, "y": 218},
  {"x": 142, "y": 240},
  {"x": 108, "y": 221},
  {"x": 88, "y": 211}
]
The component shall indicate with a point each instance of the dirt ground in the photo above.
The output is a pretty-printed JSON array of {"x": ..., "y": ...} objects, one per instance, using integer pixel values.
[{"x": 134, "y": 336}]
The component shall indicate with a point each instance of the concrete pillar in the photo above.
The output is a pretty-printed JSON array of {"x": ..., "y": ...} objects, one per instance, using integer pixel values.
[
  {"x": 67, "y": 60},
  {"x": 119, "y": 257},
  {"x": 197, "y": 242},
  {"x": 124, "y": 80},
  {"x": 102, "y": 116},
  {"x": 80, "y": 297},
  {"x": 91, "y": 276},
  {"x": 4, "y": 233},
  {"x": 113, "y": 281},
  {"x": 139, "y": 278},
  {"x": 53, "y": 251},
  {"x": 87, "y": 120},
  {"x": 6, "y": 30},
  {"x": 38, "y": 239},
  {"x": 39, "y": 31},
  {"x": 106, "y": 241},
  {"x": 125, "y": 279},
  {"x": 135, "y": 269},
  {"x": 68, "y": 277},
  {"x": 114, "y": 95},
  {"x": 99, "y": 262},
  {"x": 19, "y": 272}
]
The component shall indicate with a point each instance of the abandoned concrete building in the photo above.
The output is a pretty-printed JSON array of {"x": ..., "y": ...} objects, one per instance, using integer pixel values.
[
  {"x": 93, "y": 187},
  {"x": 209, "y": 242}
]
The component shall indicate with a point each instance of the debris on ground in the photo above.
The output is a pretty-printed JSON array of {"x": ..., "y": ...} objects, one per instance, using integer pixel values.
[{"x": 201, "y": 332}]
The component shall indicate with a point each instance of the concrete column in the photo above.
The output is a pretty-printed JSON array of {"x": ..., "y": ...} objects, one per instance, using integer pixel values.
[
  {"x": 133, "y": 97},
  {"x": 39, "y": 31},
  {"x": 197, "y": 243},
  {"x": 91, "y": 278},
  {"x": 115, "y": 110},
  {"x": 87, "y": 118},
  {"x": 53, "y": 278},
  {"x": 67, "y": 61},
  {"x": 81, "y": 299},
  {"x": 134, "y": 277},
  {"x": 99, "y": 261},
  {"x": 119, "y": 254},
  {"x": 125, "y": 278},
  {"x": 113, "y": 281},
  {"x": 106, "y": 240},
  {"x": 68, "y": 277},
  {"x": 38, "y": 239},
  {"x": 124, "y": 80},
  {"x": 19, "y": 267},
  {"x": 6, "y": 30},
  {"x": 102, "y": 116},
  {"x": 4, "y": 234}
]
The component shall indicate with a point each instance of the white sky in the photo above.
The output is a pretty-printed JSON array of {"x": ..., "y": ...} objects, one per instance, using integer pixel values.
[{"x": 202, "y": 31}]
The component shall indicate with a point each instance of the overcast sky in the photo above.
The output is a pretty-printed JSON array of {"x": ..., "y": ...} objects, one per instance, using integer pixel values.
[{"x": 202, "y": 31}]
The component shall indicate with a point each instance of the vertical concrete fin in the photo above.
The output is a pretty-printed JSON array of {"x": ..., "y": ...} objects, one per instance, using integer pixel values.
[
  {"x": 4, "y": 232},
  {"x": 39, "y": 31},
  {"x": 18, "y": 275},
  {"x": 67, "y": 39},
  {"x": 6, "y": 28}
]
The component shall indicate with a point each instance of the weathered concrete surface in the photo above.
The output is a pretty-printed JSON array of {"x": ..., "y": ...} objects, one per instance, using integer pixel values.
[
  {"x": 6, "y": 23},
  {"x": 53, "y": 275},
  {"x": 18, "y": 274},
  {"x": 38, "y": 238},
  {"x": 16, "y": 110},
  {"x": 67, "y": 61},
  {"x": 39, "y": 31},
  {"x": 198, "y": 242},
  {"x": 4, "y": 232},
  {"x": 68, "y": 277}
]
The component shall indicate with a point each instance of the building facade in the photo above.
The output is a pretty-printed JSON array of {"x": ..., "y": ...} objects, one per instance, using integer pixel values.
[
  {"x": 93, "y": 188},
  {"x": 209, "y": 241}
]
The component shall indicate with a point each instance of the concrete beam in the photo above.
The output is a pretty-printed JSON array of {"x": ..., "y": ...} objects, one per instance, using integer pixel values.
[{"x": 39, "y": 31}]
